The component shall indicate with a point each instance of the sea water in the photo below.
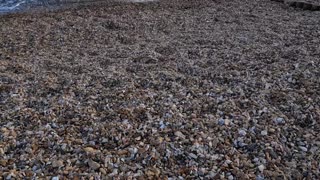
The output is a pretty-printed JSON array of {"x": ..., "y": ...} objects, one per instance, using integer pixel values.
[
  {"x": 7, "y": 6},
  {"x": 10, "y": 5}
]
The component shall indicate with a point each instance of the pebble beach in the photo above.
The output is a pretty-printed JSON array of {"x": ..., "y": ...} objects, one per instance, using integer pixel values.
[{"x": 169, "y": 89}]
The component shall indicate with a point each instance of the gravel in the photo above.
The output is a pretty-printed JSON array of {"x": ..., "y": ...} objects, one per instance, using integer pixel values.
[{"x": 169, "y": 90}]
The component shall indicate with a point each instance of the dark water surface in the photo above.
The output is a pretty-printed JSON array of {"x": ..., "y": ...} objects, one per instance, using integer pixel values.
[{"x": 10, "y": 6}]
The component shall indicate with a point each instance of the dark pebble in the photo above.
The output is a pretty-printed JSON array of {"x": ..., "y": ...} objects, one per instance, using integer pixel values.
[
  {"x": 315, "y": 8},
  {"x": 307, "y": 6},
  {"x": 299, "y": 4}
]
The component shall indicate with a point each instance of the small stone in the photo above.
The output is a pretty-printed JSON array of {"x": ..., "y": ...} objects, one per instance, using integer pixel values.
[
  {"x": 93, "y": 165},
  {"x": 242, "y": 132},
  {"x": 261, "y": 167},
  {"x": 279, "y": 120},
  {"x": 264, "y": 133},
  {"x": 57, "y": 163},
  {"x": 221, "y": 122},
  {"x": 157, "y": 172},
  {"x": 193, "y": 156},
  {"x": 29, "y": 150},
  {"x": 104, "y": 140},
  {"x": 259, "y": 177},
  {"x": 5, "y": 131},
  {"x": 89, "y": 150},
  {"x": 271, "y": 130},
  {"x": 292, "y": 164},
  {"x": 211, "y": 174},
  {"x": 133, "y": 150},
  {"x": 55, "y": 178},
  {"x": 230, "y": 177},
  {"x": 122, "y": 152},
  {"x": 156, "y": 141},
  {"x": 179, "y": 134},
  {"x": 139, "y": 173},
  {"x": 253, "y": 130},
  {"x": 3, "y": 162},
  {"x": 64, "y": 147},
  {"x": 162, "y": 125},
  {"x": 202, "y": 171},
  {"x": 304, "y": 149},
  {"x": 34, "y": 168},
  {"x": 103, "y": 171},
  {"x": 1, "y": 151},
  {"x": 114, "y": 173},
  {"x": 228, "y": 161},
  {"x": 160, "y": 140},
  {"x": 29, "y": 173},
  {"x": 9, "y": 177},
  {"x": 149, "y": 173},
  {"x": 138, "y": 138},
  {"x": 13, "y": 133},
  {"x": 227, "y": 122}
]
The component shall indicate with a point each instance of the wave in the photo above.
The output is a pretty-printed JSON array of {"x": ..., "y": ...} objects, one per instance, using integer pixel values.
[
  {"x": 10, "y": 5},
  {"x": 7, "y": 6}
]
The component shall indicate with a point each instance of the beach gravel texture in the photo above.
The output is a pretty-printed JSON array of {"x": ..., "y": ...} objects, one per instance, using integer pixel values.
[{"x": 194, "y": 89}]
